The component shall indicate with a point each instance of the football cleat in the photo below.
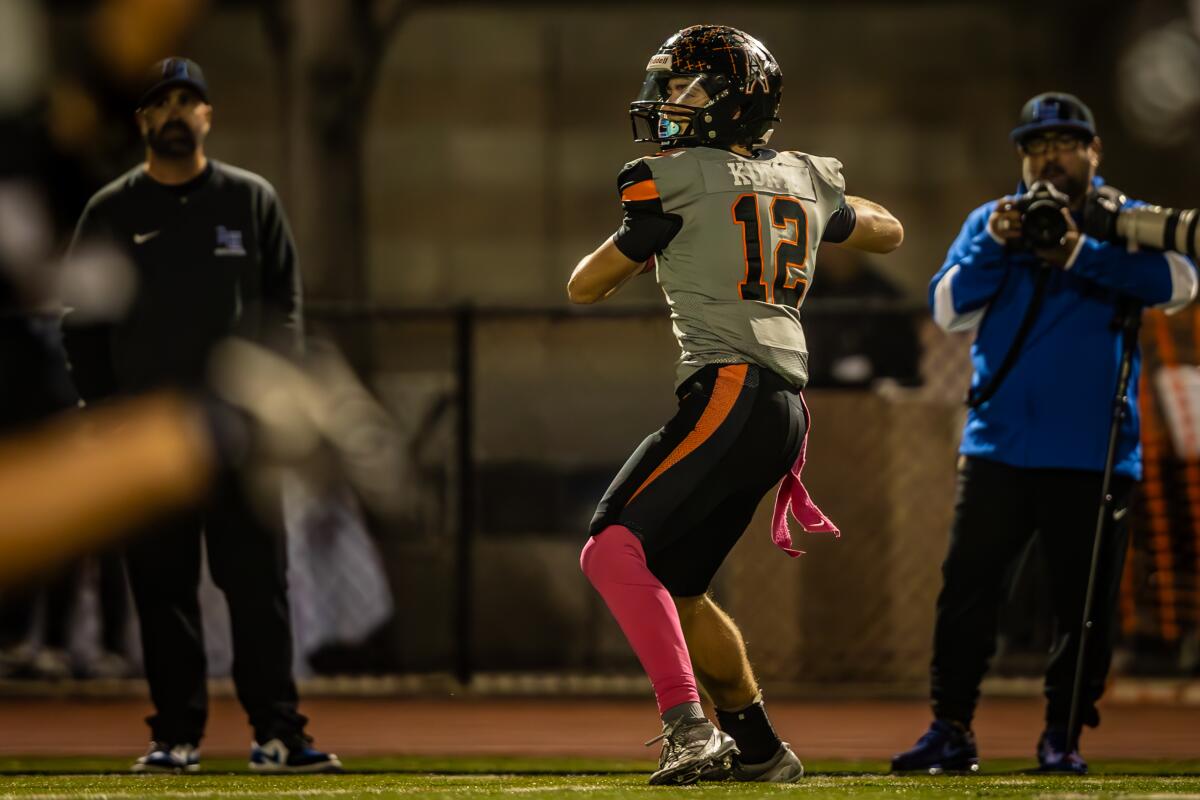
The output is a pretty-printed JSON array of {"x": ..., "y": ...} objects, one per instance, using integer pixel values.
[
  {"x": 168, "y": 759},
  {"x": 945, "y": 747},
  {"x": 1053, "y": 755},
  {"x": 693, "y": 749},
  {"x": 277, "y": 757},
  {"x": 783, "y": 767}
]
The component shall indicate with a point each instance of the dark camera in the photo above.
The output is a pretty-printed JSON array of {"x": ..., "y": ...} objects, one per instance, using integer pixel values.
[{"x": 1042, "y": 221}]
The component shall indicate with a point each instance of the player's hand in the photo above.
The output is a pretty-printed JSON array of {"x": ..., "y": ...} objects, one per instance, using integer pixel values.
[
  {"x": 1060, "y": 255},
  {"x": 1005, "y": 222}
]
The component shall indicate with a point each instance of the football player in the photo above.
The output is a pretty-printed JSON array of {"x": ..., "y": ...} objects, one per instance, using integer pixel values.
[{"x": 731, "y": 230}]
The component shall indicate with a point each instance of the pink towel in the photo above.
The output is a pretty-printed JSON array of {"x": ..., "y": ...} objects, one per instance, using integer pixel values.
[{"x": 792, "y": 496}]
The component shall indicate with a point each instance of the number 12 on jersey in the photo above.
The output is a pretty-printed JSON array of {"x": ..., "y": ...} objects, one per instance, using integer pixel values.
[{"x": 788, "y": 283}]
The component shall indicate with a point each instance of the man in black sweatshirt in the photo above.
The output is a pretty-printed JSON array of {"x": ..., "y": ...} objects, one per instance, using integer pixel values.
[{"x": 213, "y": 257}]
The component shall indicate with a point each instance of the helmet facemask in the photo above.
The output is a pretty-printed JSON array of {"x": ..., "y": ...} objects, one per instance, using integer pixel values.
[{"x": 679, "y": 116}]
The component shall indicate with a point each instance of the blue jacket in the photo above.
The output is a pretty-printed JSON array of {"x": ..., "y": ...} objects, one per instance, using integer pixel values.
[{"x": 1054, "y": 408}]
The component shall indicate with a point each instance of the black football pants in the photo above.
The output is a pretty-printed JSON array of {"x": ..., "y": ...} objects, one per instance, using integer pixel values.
[
  {"x": 997, "y": 511},
  {"x": 248, "y": 561}
]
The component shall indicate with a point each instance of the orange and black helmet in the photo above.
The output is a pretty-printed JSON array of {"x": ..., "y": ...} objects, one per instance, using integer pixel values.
[{"x": 740, "y": 78}]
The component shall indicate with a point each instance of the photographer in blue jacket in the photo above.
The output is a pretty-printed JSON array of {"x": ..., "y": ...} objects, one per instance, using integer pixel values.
[{"x": 1045, "y": 299}]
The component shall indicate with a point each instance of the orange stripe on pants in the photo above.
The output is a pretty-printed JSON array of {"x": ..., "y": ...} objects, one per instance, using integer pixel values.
[{"x": 726, "y": 390}]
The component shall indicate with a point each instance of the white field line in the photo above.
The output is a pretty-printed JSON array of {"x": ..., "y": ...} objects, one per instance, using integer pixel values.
[
  {"x": 100, "y": 794},
  {"x": 274, "y": 791},
  {"x": 93, "y": 793}
]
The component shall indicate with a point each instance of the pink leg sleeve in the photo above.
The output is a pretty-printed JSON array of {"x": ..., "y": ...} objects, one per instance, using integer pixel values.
[{"x": 615, "y": 563}]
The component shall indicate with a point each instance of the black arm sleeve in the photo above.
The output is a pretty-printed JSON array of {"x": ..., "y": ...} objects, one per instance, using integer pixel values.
[
  {"x": 87, "y": 343},
  {"x": 646, "y": 228},
  {"x": 282, "y": 288},
  {"x": 840, "y": 226},
  {"x": 644, "y": 233}
]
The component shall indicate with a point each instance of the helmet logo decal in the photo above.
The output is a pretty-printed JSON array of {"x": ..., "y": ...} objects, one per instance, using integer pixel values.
[
  {"x": 660, "y": 61},
  {"x": 756, "y": 73}
]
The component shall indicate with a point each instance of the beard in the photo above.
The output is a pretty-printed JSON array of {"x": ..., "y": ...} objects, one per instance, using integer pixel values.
[
  {"x": 1073, "y": 186},
  {"x": 173, "y": 140}
]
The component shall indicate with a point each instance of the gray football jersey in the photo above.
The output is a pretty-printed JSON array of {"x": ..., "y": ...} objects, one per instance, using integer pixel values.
[{"x": 742, "y": 261}]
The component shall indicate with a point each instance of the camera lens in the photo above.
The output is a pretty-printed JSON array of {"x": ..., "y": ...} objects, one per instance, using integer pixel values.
[{"x": 1044, "y": 224}]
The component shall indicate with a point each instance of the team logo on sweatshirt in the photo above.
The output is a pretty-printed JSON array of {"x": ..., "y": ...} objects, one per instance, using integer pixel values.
[{"x": 229, "y": 243}]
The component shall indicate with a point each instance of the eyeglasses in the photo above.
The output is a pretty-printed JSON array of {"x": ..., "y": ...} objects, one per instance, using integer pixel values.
[{"x": 1062, "y": 143}]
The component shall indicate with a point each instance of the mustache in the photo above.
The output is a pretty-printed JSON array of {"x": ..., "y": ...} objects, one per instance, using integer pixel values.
[{"x": 174, "y": 125}]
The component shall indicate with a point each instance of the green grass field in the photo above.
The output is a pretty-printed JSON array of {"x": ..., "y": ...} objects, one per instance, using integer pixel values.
[{"x": 602, "y": 780}]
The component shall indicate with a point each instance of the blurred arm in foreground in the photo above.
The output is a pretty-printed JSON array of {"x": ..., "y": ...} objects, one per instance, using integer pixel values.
[{"x": 77, "y": 483}]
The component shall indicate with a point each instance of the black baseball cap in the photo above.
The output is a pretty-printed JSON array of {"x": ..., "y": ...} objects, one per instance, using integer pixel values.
[
  {"x": 170, "y": 72},
  {"x": 1054, "y": 111}
]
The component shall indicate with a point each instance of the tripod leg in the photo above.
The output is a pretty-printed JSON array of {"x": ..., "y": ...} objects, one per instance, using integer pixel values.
[{"x": 1129, "y": 319}]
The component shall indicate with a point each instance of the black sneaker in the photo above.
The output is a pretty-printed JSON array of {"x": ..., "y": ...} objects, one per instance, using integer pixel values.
[
  {"x": 297, "y": 755},
  {"x": 693, "y": 750},
  {"x": 945, "y": 747},
  {"x": 169, "y": 759},
  {"x": 1053, "y": 755}
]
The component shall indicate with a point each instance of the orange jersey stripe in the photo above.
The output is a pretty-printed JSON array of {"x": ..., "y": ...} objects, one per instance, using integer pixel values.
[
  {"x": 725, "y": 393},
  {"x": 642, "y": 190}
]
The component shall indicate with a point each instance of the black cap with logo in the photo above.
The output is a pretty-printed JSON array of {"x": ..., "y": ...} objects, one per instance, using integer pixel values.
[
  {"x": 1054, "y": 111},
  {"x": 173, "y": 72}
]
